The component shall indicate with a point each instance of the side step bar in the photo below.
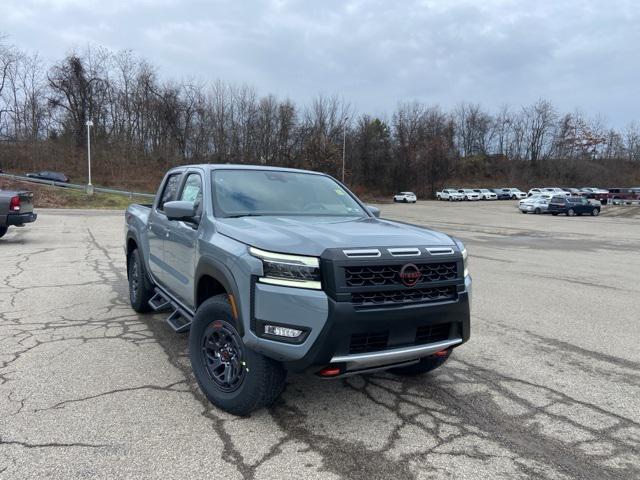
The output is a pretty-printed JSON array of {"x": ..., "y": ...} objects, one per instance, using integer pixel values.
[{"x": 179, "y": 320}]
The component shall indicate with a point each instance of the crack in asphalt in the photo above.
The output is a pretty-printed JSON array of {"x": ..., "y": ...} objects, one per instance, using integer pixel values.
[{"x": 50, "y": 444}]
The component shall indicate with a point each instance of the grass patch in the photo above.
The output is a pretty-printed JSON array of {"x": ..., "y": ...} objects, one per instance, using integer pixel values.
[{"x": 47, "y": 196}]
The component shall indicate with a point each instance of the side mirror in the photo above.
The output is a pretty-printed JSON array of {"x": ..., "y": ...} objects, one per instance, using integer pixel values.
[
  {"x": 180, "y": 210},
  {"x": 375, "y": 211}
]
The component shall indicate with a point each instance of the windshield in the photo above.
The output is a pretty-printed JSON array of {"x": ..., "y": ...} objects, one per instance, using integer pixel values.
[{"x": 263, "y": 192}]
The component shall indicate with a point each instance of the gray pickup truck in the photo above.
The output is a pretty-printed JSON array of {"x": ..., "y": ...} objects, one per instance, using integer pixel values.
[
  {"x": 16, "y": 209},
  {"x": 274, "y": 270}
]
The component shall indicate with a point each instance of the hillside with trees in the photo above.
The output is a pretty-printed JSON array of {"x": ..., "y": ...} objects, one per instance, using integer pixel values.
[{"x": 144, "y": 123}]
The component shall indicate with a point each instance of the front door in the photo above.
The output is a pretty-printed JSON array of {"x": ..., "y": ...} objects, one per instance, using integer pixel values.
[{"x": 181, "y": 243}]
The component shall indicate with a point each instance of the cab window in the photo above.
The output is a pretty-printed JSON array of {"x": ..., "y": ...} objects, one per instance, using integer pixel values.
[
  {"x": 192, "y": 191},
  {"x": 170, "y": 190}
]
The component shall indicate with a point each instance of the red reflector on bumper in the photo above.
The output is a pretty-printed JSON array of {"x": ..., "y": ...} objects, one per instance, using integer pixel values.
[
  {"x": 329, "y": 372},
  {"x": 442, "y": 353}
]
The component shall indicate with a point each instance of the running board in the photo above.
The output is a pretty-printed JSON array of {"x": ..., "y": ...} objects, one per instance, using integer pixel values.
[
  {"x": 179, "y": 320},
  {"x": 159, "y": 302}
]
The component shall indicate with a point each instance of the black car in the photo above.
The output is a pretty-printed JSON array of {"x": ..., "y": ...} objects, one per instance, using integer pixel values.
[
  {"x": 571, "y": 206},
  {"x": 48, "y": 175},
  {"x": 502, "y": 193}
]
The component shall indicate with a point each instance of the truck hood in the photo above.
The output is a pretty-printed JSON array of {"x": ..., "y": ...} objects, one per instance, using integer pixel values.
[{"x": 312, "y": 235}]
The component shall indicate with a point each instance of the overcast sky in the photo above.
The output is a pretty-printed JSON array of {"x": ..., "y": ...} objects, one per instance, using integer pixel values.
[{"x": 581, "y": 54}]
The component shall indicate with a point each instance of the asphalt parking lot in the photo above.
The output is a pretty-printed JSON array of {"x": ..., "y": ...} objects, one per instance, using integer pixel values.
[{"x": 547, "y": 387}]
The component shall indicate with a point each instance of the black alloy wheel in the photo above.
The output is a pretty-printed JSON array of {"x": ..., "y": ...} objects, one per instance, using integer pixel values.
[{"x": 223, "y": 355}]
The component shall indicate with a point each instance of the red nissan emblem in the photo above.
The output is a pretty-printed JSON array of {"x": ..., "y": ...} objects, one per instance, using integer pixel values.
[{"x": 410, "y": 275}]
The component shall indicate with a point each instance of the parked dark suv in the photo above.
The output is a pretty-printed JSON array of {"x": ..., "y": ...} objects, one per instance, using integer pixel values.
[{"x": 572, "y": 206}]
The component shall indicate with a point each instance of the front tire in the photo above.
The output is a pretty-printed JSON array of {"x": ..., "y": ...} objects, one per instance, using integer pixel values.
[
  {"x": 232, "y": 376},
  {"x": 3, "y": 231},
  {"x": 537, "y": 211},
  {"x": 571, "y": 212},
  {"x": 425, "y": 365},
  {"x": 594, "y": 213},
  {"x": 140, "y": 287}
]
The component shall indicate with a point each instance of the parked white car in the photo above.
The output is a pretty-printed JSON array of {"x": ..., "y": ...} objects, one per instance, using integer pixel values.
[
  {"x": 517, "y": 194},
  {"x": 485, "y": 194},
  {"x": 449, "y": 194},
  {"x": 405, "y": 197},
  {"x": 468, "y": 194},
  {"x": 594, "y": 190},
  {"x": 537, "y": 203},
  {"x": 551, "y": 190},
  {"x": 556, "y": 191}
]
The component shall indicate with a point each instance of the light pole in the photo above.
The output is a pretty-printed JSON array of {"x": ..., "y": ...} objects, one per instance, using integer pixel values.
[
  {"x": 89, "y": 124},
  {"x": 344, "y": 144}
]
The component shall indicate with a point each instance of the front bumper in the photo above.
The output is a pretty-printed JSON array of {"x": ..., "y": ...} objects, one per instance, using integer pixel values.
[
  {"x": 20, "y": 218},
  {"x": 330, "y": 326}
]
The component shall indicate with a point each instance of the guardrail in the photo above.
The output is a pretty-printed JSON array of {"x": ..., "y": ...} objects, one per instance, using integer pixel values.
[{"x": 76, "y": 186}]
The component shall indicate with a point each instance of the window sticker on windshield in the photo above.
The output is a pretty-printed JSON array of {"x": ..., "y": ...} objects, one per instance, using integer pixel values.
[
  {"x": 190, "y": 193},
  {"x": 339, "y": 192}
]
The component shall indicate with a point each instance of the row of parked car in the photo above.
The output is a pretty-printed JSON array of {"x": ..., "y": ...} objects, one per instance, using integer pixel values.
[
  {"x": 473, "y": 194},
  {"x": 557, "y": 204},
  {"x": 614, "y": 195}
]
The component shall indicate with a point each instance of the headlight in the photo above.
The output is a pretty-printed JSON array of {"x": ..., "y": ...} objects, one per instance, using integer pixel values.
[
  {"x": 465, "y": 256},
  {"x": 288, "y": 270}
]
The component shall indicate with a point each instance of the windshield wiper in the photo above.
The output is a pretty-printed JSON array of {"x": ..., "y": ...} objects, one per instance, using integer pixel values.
[{"x": 245, "y": 215}]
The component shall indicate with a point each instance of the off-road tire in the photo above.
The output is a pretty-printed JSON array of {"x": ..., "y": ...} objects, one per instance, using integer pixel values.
[
  {"x": 140, "y": 287},
  {"x": 425, "y": 365},
  {"x": 3, "y": 231},
  {"x": 263, "y": 380}
]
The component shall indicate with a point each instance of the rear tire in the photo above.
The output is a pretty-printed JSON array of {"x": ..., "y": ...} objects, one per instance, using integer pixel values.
[
  {"x": 255, "y": 381},
  {"x": 554, "y": 214},
  {"x": 140, "y": 287},
  {"x": 571, "y": 212},
  {"x": 425, "y": 365},
  {"x": 537, "y": 211},
  {"x": 3, "y": 231}
]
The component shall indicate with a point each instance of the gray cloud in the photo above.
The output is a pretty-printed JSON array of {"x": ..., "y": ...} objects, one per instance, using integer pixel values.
[{"x": 577, "y": 53}]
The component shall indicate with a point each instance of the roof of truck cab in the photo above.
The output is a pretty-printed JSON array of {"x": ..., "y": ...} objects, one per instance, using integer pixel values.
[{"x": 231, "y": 166}]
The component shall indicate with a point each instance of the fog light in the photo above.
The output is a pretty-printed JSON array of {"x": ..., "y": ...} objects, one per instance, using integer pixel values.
[{"x": 282, "y": 331}]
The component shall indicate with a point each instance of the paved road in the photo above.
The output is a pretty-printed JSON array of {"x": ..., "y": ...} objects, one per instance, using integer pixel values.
[{"x": 548, "y": 387}]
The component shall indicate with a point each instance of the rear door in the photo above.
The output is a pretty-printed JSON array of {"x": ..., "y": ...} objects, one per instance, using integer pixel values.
[
  {"x": 158, "y": 227},
  {"x": 181, "y": 242}
]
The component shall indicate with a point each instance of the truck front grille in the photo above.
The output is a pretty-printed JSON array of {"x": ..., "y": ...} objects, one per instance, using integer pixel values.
[
  {"x": 432, "y": 333},
  {"x": 378, "y": 341},
  {"x": 395, "y": 297},
  {"x": 368, "y": 342},
  {"x": 374, "y": 276}
]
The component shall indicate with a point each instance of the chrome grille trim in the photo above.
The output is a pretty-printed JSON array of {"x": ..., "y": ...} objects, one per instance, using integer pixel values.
[
  {"x": 362, "y": 253},
  {"x": 404, "y": 252},
  {"x": 440, "y": 250}
]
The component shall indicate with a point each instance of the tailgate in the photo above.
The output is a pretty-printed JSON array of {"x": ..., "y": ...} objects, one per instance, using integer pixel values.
[{"x": 26, "y": 202}]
